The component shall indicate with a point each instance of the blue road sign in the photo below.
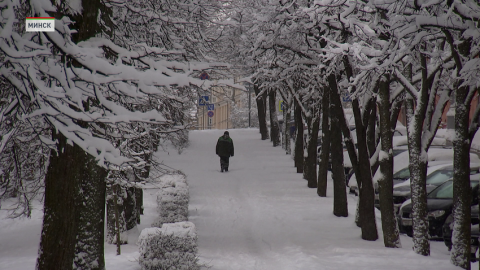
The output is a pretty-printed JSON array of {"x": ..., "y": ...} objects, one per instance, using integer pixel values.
[
  {"x": 204, "y": 76},
  {"x": 210, "y": 107},
  {"x": 203, "y": 101},
  {"x": 210, "y": 114},
  {"x": 346, "y": 98}
]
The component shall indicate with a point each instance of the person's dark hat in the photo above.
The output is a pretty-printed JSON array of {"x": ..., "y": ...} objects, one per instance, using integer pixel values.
[{"x": 226, "y": 133}]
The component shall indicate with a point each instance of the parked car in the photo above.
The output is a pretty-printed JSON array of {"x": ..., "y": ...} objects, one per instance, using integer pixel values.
[
  {"x": 400, "y": 144},
  {"x": 436, "y": 156},
  {"x": 400, "y": 131},
  {"x": 439, "y": 205},
  {"x": 474, "y": 232},
  {"x": 398, "y": 177},
  {"x": 436, "y": 176}
]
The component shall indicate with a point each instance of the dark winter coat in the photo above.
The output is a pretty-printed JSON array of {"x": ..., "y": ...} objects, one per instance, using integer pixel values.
[{"x": 224, "y": 146}]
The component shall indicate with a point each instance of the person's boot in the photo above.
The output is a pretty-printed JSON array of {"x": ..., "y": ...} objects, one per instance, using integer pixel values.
[
  {"x": 221, "y": 169},
  {"x": 226, "y": 169}
]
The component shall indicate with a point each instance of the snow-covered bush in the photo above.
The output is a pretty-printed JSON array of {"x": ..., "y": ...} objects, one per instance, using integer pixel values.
[
  {"x": 172, "y": 200},
  {"x": 173, "y": 246}
]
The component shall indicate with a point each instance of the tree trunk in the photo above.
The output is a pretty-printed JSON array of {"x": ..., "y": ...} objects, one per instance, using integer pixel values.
[
  {"x": 462, "y": 197},
  {"x": 367, "y": 195},
  {"x": 352, "y": 153},
  {"x": 139, "y": 203},
  {"x": 340, "y": 207},
  {"x": 145, "y": 173},
  {"x": 130, "y": 206},
  {"x": 274, "y": 125},
  {"x": 89, "y": 249},
  {"x": 418, "y": 164},
  {"x": 262, "y": 112},
  {"x": 325, "y": 140},
  {"x": 418, "y": 171},
  {"x": 385, "y": 183},
  {"x": 287, "y": 131},
  {"x": 115, "y": 198},
  {"x": 62, "y": 185},
  {"x": 298, "y": 138},
  {"x": 310, "y": 160},
  {"x": 462, "y": 194},
  {"x": 372, "y": 136}
]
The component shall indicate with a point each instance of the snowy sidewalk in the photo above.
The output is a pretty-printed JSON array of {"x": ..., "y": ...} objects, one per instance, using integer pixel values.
[{"x": 261, "y": 215}]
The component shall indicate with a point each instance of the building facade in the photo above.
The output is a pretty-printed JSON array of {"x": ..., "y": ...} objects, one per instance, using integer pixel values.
[{"x": 224, "y": 99}]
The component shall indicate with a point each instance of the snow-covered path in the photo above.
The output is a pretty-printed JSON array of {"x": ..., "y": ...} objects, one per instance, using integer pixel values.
[{"x": 261, "y": 215}]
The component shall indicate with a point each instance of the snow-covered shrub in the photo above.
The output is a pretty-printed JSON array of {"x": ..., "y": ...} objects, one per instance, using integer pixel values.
[
  {"x": 173, "y": 246},
  {"x": 172, "y": 201}
]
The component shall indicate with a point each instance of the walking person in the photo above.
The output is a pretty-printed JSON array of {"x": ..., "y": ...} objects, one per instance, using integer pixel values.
[{"x": 224, "y": 150}]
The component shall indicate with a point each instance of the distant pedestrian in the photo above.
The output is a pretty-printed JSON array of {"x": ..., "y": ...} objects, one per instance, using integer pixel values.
[{"x": 224, "y": 150}]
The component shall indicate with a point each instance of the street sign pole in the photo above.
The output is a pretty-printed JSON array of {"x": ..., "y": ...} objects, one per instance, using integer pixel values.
[{"x": 249, "y": 104}]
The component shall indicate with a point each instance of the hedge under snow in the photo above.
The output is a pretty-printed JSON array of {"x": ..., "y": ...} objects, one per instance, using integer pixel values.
[
  {"x": 173, "y": 246},
  {"x": 172, "y": 200}
]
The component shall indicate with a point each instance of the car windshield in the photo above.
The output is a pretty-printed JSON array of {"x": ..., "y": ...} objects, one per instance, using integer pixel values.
[
  {"x": 402, "y": 174},
  {"x": 445, "y": 191},
  {"x": 397, "y": 152},
  {"x": 438, "y": 177}
]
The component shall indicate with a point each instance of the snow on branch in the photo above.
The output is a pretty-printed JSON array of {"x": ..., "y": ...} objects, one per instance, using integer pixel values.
[
  {"x": 88, "y": 96},
  {"x": 441, "y": 21},
  {"x": 412, "y": 90}
]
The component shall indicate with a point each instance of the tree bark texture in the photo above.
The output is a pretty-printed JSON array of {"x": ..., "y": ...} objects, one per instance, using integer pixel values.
[
  {"x": 288, "y": 146},
  {"x": 366, "y": 191},
  {"x": 130, "y": 205},
  {"x": 391, "y": 236},
  {"x": 418, "y": 165},
  {"x": 340, "y": 207},
  {"x": 325, "y": 142},
  {"x": 89, "y": 249},
  {"x": 367, "y": 194},
  {"x": 274, "y": 125},
  {"x": 115, "y": 199},
  {"x": 262, "y": 112},
  {"x": 310, "y": 160},
  {"x": 298, "y": 138},
  {"x": 352, "y": 153},
  {"x": 139, "y": 203},
  {"x": 462, "y": 197},
  {"x": 462, "y": 194},
  {"x": 418, "y": 171},
  {"x": 372, "y": 135},
  {"x": 62, "y": 185}
]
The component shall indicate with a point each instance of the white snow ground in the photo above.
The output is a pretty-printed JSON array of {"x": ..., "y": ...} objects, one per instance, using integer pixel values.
[{"x": 259, "y": 215}]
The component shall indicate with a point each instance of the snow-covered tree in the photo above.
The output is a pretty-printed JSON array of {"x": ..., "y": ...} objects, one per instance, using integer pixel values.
[
  {"x": 23, "y": 154},
  {"x": 463, "y": 38},
  {"x": 339, "y": 23}
]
